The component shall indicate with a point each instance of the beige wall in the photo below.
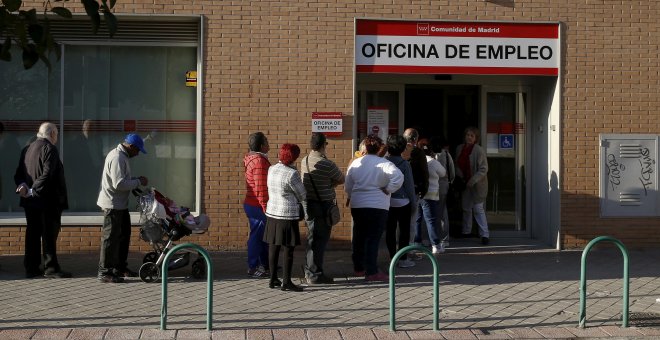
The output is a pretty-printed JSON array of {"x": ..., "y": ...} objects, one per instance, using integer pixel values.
[{"x": 269, "y": 64}]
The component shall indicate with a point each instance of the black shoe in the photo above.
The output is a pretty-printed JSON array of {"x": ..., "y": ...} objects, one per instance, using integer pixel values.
[
  {"x": 33, "y": 273},
  {"x": 321, "y": 280},
  {"x": 126, "y": 273},
  {"x": 275, "y": 283},
  {"x": 109, "y": 278},
  {"x": 484, "y": 241},
  {"x": 290, "y": 286},
  {"x": 57, "y": 275}
]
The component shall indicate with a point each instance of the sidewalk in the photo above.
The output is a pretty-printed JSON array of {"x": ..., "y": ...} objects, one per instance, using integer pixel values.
[{"x": 502, "y": 291}]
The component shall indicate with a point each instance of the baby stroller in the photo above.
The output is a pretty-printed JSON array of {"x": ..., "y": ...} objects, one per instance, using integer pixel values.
[{"x": 163, "y": 223}]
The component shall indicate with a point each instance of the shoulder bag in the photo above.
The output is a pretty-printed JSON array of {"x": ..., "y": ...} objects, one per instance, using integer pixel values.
[{"x": 332, "y": 214}]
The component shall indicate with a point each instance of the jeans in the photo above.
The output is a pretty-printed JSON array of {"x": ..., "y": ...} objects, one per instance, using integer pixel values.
[
  {"x": 368, "y": 225},
  {"x": 115, "y": 240},
  {"x": 256, "y": 247},
  {"x": 43, "y": 227},
  {"x": 398, "y": 217},
  {"x": 470, "y": 208},
  {"x": 318, "y": 236},
  {"x": 428, "y": 211}
]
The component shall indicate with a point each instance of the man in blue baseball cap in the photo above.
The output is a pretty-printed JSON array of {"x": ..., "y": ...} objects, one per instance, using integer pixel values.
[
  {"x": 116, "y": 186},
  {"x": 136, "y": 141}
]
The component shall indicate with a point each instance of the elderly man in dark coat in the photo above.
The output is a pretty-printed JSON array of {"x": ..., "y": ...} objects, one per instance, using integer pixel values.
[{"x": 40, "y": 182}]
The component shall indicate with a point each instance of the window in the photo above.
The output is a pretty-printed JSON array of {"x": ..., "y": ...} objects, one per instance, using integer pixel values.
[{"x": 96, "y": 95}]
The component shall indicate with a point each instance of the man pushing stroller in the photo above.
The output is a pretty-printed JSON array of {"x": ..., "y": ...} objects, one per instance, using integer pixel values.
[{"x": 116, "y": 186}]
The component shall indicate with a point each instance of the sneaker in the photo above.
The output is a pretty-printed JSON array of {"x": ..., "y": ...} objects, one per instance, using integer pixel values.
[
  {"x": 445, "y": 244},
  {"x": 360, "y": 273},
  {"x": 257, "y": 273},
  {"x": 438, "y": 249},
  {"x": 378, "y": 277},
  {"x": 109, "y": 278},
  {"x": 57, "y": 275},
  {"x": 406, "y": 263},
  {"x": 485, "y": 241}
]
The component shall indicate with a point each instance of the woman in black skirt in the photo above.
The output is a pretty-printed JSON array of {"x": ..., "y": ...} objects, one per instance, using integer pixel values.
[{"x": 285, "y": 192}]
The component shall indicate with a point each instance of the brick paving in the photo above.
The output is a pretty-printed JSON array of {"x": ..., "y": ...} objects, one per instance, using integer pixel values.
[{"x": 504, "y": 291}]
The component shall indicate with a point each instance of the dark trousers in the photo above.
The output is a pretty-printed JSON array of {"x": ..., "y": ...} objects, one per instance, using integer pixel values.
[
  {"x": 43, "y": 227},
  {"x": 273, "y": 258},
  {"x": 318, "y": 236},
  {"x": 398, "y": 217},
  {"x": 368, "y": 225},
  {"x": 115, "y": 241}
]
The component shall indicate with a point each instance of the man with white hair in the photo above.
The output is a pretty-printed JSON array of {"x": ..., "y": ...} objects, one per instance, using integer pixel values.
[{"x": 40, "y": 180}]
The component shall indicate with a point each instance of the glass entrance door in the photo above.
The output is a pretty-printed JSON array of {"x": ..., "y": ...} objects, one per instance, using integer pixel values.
[{"x": 503, "y": 137}]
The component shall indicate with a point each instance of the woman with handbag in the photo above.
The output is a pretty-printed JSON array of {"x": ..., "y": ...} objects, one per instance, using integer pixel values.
[
  {"x": 285, "y": 191},
  {"x": 472, "y": 168}
]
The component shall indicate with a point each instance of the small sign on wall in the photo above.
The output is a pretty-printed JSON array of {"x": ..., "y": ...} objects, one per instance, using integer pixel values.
[{"x": 329, "y": 123}]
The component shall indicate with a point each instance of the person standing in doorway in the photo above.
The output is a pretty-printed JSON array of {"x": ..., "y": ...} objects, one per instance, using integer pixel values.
[
  {"x": 116, "y": 186},
  {"x": 256, "y": 198},
  {"x": 40, "y": 182},
  {"x": 472, "y": 168},
  {"x": 429, "y": 205},
  {"x": 440, "y": 147},
  {"x": 320, "y": 177}
]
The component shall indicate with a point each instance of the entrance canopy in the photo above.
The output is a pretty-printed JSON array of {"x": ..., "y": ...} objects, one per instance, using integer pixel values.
[{"x": 457, "y": 47}]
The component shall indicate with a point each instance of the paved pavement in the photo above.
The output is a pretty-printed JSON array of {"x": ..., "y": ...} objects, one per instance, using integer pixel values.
[{"x": 506, "y": 290}]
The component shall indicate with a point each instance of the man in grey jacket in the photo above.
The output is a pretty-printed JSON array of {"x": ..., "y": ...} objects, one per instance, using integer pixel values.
[{"x": 116, "y": 186}]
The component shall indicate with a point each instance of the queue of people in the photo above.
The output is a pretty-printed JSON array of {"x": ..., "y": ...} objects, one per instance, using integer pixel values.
[
  {"x": 396, "y": 187},
  {"x": 390, "y": 186}
]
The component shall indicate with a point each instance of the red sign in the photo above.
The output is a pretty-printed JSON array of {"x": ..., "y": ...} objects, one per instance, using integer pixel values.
[{"x": 457, "y": 47}]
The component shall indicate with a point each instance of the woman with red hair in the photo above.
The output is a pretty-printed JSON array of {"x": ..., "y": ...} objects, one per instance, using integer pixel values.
[{"x": 285, "y": 192}]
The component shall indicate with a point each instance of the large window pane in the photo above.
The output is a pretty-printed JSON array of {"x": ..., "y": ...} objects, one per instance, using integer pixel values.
[{"x": 111, "y": 91}]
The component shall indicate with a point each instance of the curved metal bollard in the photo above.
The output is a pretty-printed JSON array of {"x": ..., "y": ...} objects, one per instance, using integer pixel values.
[
  {"x": 209, "y": 284},
  {"x": 434, "y": 261},
  {"x": 583, "y": 281}
]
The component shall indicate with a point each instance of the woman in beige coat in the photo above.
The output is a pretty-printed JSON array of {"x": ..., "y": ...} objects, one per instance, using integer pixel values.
[{"x": 472, "y": 167}]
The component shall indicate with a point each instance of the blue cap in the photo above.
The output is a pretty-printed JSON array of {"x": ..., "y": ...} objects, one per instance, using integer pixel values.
[{"x": 135, "y": 140}]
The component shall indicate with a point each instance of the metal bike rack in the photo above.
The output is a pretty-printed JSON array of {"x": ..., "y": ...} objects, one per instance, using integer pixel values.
[
  {"x": 583, "y": 280},
  {"x": 393, "y": 263},
  {"x": 209, "y": 284}
]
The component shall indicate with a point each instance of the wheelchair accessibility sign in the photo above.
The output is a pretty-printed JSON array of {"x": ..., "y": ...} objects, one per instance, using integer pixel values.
[{"x": 506, "y": 141}]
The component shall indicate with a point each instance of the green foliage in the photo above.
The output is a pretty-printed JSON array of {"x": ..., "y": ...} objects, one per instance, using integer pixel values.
[{"x": 25, "y": 29}]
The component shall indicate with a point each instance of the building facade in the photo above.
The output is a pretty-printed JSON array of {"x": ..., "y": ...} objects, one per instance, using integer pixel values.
[{"x": 562, "y": 92}]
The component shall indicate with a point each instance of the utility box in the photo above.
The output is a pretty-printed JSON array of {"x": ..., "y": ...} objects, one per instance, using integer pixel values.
[{"x": 629, "y": 175}]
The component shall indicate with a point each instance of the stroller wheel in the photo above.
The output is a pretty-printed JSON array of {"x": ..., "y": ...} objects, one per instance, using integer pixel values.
[
  {"x": 149, "y": 272},
  {"x": 150, "y": 257},
  {"x": 199, "y": 269}
]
